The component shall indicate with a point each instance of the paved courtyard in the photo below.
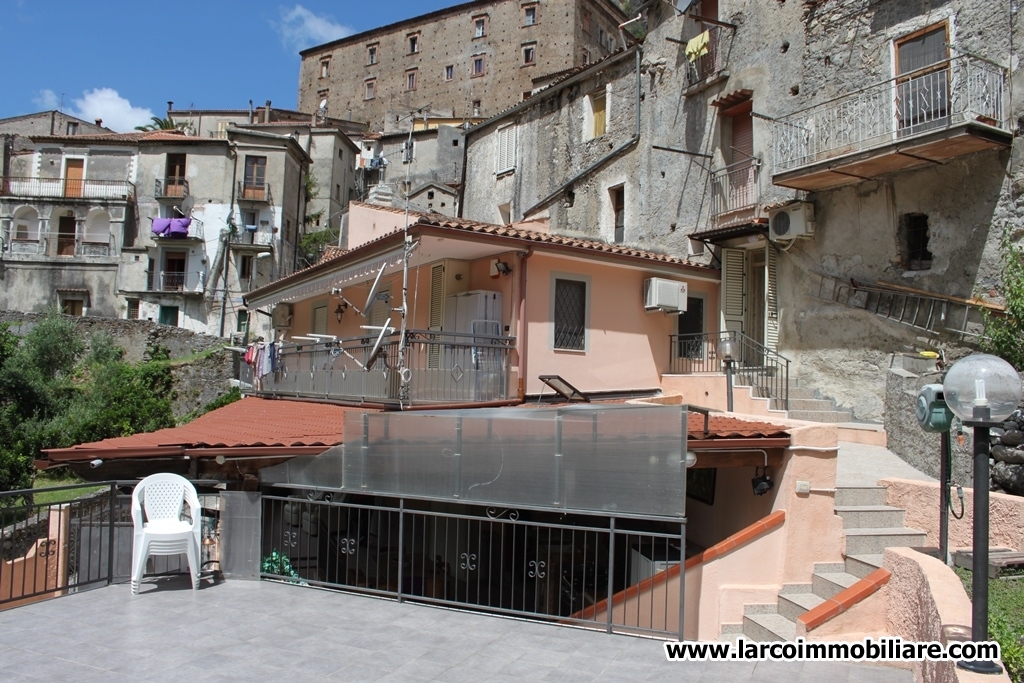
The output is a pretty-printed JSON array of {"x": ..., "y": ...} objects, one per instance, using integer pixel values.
[{"x": 262, "y": 631}]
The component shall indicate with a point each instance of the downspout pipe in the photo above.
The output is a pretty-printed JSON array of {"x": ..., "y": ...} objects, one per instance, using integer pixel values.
[
  {"x": 521, "y": 340},
  {"x": 227, "y": 237},
  {"x": 542, "y": 204}
]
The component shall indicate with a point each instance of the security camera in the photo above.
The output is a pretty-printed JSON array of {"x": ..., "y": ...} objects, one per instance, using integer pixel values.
[{"x": 95, "y": 463}]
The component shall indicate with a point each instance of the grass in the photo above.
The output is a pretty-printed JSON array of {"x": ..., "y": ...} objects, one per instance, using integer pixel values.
[
  {"x": 1005, "y": 619},
  {"x": 62, "y": 479}
]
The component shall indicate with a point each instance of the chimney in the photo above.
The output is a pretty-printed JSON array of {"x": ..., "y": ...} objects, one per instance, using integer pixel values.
[
  {"x": 250, "y": 113},
  {"x": 266, "y": 113},
  {"x": 170, "y": 106},
  {"x": 99, "y": 122}
]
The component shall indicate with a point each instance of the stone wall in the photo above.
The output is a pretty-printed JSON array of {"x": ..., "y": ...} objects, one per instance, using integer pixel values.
[{"x": 201, "y": 381}]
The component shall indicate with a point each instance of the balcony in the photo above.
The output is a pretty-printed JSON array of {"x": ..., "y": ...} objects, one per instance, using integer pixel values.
[
  {"x": 923, "y": 118},
  {"x": 253, "y": 237},
  {"x": 708, "y": 67},
  {"x": 177, "y": 229},
  {"x": 170, "y": 188},
  {"x": 176, "y": 282},
  {"x": 736, "y": 193},
  {"x": 443, "y": 369},
  {"x": 61, "y": 244},
  {"x": 254, "y": 192},
  {"x": 66, "y": 188}
]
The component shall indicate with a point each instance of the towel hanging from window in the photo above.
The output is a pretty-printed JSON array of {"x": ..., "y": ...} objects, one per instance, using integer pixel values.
[{"x": 698, "y": 47}]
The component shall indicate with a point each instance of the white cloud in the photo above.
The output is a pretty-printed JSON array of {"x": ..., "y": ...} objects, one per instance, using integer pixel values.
[
  {"x": 300, "y": 28},
  {"x": 100, "y": 103}
]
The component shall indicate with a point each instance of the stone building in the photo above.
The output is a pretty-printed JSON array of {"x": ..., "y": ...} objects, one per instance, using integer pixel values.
[
  {"x": 472, "y": 59},
  {"x": 155, "y": 225},
  {"x": 850, "y": 165}
]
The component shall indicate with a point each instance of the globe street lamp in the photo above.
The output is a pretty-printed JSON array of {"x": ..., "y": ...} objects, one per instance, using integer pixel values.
[
  {"x": 728, "y": 350},
  {"x": 982, "y": 390}
]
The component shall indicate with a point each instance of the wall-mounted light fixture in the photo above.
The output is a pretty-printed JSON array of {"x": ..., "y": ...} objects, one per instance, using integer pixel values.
[
  {"x": 762, "y": 482},
  {"x": 500, "y": 268},
  {"x": 340, "y": 310}
]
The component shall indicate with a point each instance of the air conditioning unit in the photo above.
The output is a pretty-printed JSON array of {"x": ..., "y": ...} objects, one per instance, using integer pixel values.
[
  {"x": 792, "y": 221},
  {"x": 281, "y": 316},
  {"x": 664, "y": 295}
]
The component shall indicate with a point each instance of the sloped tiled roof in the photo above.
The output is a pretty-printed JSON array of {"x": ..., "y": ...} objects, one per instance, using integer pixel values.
[
  {"x": 251, "y": 422},
  {"x": 132, "y": 138},
  {"x": 332, "y": 252}
]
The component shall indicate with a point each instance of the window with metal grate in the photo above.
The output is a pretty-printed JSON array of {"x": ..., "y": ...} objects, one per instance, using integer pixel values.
[{"x": 570, "y": 314}]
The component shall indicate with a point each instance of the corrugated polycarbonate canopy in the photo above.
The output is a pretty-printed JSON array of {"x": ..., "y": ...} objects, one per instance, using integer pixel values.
[{"x": 621, "y": 459}]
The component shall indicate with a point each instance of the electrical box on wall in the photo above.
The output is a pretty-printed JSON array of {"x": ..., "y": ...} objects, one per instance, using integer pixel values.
[
  {"x": 664, "y": 295},
  {"x": 281, "y": 315},
  {"x": 792, "y": 221}
]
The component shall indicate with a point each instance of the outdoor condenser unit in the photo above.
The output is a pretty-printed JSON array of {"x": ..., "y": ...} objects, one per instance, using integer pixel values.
[
  {"x": 792, "y": 221},
  {"x": 664, "y": 295}
]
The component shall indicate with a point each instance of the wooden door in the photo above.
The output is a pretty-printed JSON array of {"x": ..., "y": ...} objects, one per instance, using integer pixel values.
[
  {"x": 74, "y": 174},
  {"x": 174, "y": 271},
  {"x": 66, "y": 236}
]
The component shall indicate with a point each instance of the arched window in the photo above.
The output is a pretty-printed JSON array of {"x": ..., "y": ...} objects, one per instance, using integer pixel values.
[{"x": 26, "y": 224}]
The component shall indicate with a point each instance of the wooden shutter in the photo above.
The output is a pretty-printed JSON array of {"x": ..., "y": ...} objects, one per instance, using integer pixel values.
[
  {"x": 733, "y": 266},
  {"x": 742, "y": 137},
  {"x": 320, "y": 320},
  {"x": 437, "y": 294},
  {"x": 771, "y": 299},
  {"x": 506, "y": 149}
]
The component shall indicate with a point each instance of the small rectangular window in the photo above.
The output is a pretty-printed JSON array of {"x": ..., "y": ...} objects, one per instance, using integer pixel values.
[
  {"x": 245, "y": 266},
  {"x": 598, "y": 105},
  {"x": 371, "y": 54},
  {"x": 476, "y": 107},
  {"x": 72, "y": 128},
  {"x": 369, "y": 90},
  {"x": 530, "y": 54},
  {"x": 243, "y": 320},
  {"x": 617, "y": 195},
  {"x": 133, "y": 309},
  {"x": 570, "y": 314},
  {"x": 913, "y": 238},
  {"x": 414, "y": 43},
  {"x": 410, "y": 80},
  {"x": 449, "y": 72},
  {"x": 325, "y": 68},
  {"x": 530, "y": 15},
  {"x": 586, "y": 22},
  {"x": 506, "y": 149},
  {"x": 479, "y": 27},
  {"x": 478, "y": 66}
]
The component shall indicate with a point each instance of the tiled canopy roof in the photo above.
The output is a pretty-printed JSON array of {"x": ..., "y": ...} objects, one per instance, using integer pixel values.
[{"x": 132, "y": 138}]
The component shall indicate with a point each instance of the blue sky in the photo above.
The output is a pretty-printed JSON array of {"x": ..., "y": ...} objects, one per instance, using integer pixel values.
[{"x": 121, "y": 61}]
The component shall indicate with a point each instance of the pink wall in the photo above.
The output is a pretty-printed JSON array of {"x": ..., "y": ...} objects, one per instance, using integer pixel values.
[
  {"x": 626, "y": 347},
  {"x": 367, "y": 223}
]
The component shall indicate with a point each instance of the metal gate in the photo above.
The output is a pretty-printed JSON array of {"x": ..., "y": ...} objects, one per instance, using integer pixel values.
[{"x": 619, "y": 574}]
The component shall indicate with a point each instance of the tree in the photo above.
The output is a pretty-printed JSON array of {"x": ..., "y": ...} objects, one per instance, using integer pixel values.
[
  {"x": 1004, "y": 334},
  {"x": 162, "y": 124}
]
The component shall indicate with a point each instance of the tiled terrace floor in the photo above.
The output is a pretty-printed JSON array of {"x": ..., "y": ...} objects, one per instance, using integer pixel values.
[{"x": 262, "y": 631}]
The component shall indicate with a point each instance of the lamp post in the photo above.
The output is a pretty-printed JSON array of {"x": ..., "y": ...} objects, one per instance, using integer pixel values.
[
  {"x": 982, "y": 390},
  {"x": 728, "y": 349}
]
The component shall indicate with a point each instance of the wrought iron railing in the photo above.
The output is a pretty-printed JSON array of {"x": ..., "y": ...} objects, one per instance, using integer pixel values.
[
  {"x": 254, "y": 192},
  {"x": 192, "y": 282},
  {"x": 196, "y": 231},
  {"x": 715, "y": 59},
  {"x": 757, "y": 366},
  {"x": 735, "y": 187},
  {"x": 170, "y": 187},
  {"x": 81, "y": 538},
  {"x": 441, "y": 368},
  {"x": 563, "y": 568},
  {"x": 66, "y": 188},
  {"x": 81, "y": 242},
  {"x": 261, "y": 236},
  {"x": 961, "y": 90}
]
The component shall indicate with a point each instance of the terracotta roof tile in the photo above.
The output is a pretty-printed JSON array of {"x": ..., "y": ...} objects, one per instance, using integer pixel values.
[
  {"x": 332, "y": 252},
  {"x": 251, "y": 422},
  {"x": 133, "y": 138}
]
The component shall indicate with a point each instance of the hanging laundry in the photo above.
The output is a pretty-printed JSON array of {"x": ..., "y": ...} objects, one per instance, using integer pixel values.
[{"x": 698, "y": 47}]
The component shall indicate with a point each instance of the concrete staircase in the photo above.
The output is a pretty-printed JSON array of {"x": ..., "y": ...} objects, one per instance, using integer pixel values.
[{"x": 870, "y": 526}]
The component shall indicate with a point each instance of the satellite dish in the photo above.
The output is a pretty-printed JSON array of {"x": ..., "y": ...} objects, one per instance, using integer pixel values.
[
  {"x": 373, "y": 293},
  {"x": 186, "y": 206},
  {"x": 683, "y": 5},
  {"x": 323, "y": 104},
  {"x": 377, "y": 345}
]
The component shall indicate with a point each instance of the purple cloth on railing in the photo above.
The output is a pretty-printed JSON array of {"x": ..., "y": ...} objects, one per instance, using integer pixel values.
[
  {"x": 161, "y": 226},
  {"x": 179, "y": 227}
]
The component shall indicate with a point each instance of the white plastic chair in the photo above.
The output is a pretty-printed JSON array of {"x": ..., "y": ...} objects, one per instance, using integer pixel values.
[{"x": 162, "y": 531}]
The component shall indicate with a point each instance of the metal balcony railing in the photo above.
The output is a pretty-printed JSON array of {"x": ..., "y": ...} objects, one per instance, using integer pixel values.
[
  {"x": 195, "y": 232},
  {"x": 442, "y": 368},
  {"x": 260, "y": 237},
  {"x": 66, "y": 188},
  {"x": 170, "y": 188},
  {"x": 193, "y": 282},
  {"x": 956, "y": 91},
  {"x": 714, "y": 61},
  {"x": 254, "y": 192},
  {"x": 757, "y": 366},
  {"x": 735, "y": 187}
]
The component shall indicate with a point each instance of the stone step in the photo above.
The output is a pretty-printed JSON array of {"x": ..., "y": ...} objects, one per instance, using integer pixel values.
[
  {"x": 829, "y": 416},
  {"x": 801, "y": 392},
  {"x": 871, "y": 541},
  {"x": 792, "y": 605},
  {"x": 830, "y": 584},
  {"x": 806, "y": 404},
  {"x": 768, "y": 627},
  {"x": 862, "y": 565},
  {"x": 869, "y": 516},
  {"x": 860, "y": 495}
]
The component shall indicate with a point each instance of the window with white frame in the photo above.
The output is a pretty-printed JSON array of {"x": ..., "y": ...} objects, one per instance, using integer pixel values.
[
  {"x": 478, "y": 66},
  {"x": 325, "y": 67},
  {"x": 479, "y": 27},
  {"x": 371, "y": 53},
  {"x": 529, "y": 15},
  {"x": 529, "y": 54},
  {"x": 449, "y": 72},
  {"x": 569, "y": 314},
  {"x": 410, "y": 79},
  {"x": 414, "y": 43},
  {"x": 370, "y": 89},
  {"x": 506, "y": 160}
]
